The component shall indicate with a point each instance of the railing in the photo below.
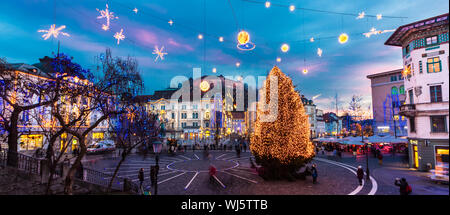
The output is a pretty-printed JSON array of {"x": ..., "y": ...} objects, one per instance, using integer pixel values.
[
  {"x": 408, "y": 107},
  {"x": 24, "y": 162},
  {"x": 33, "y": 166}
]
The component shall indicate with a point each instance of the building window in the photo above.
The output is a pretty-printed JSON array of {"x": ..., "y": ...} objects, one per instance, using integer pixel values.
[
  {"x": 400, "y": 77},
  {"x": 411, "y": 98},
  {"x": 438, "y": 124},
  {"x": 183, "y": 115},
  {"x": 194, "y": 107},
  {"x": 207, "y": 106},
  {"x": 183, "y": 124},
  {"x": 432, "y": 40},
  {"x": 183, "y": 107},
  {"x": 420, "y": 67},
  {"x": 195, "y": 124},
  {"x": 412, "y": 124},
  {"x": 407, "y": 49},
  {"x": 433, "y": 65},
  {"x": 393, "y": 78},
  {"x": 163, "y": 107},
  {"x": 394, "y": 91},
  {"x": 173, "y": 115},
  {"x": 195, "y": 115},
  {"x": 436, "y": 93},
  {"x": 206, "y": 124},
  {"x": 402, "y": 89}
]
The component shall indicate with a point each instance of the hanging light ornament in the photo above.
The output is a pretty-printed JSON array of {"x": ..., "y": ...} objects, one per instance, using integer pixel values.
[
  {"x": 311, "y": 40},
  {"x": 243, "y": 37},
  {"x": 278, "y": 59},
  {"x": 305, "y": 71},
  {"x": 343, "y": 38},
  {"x": 361, "y": 15},
  {"x": 159, "y": 53},
  {"x": 200, "y": 36},
  {"x": 119, "y": 36},
  {"x": 108, "y": 15},
  {"x": 379, "y": 16},
  {"x": 204, "y": 86},
  {"x": 238, "y": 64},
  {"x": 244, "y": 43},
  {"x": 285, "y": 47},
  {"x": 319, "y": 52},
  {"x": 292, "y": 8},
  {"x": 267, "y": 4},
  {"x": 220, "y": 39},
  {"x": 170, "y": 22},
  {"x": 214, "y": 70},
  {"x": 53, "y": 31},
  {"x": 135, "y": 10}
]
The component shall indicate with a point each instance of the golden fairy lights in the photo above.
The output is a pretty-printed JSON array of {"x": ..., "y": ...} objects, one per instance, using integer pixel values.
[
  {"x": 267, "y": 4},
  {"x": 286, "y": 139},
  {"x": 204, "y": 86},
  {"x": 108, "y": 15},
  {"x": 200, "y": 36},
  {"x": 243, "y": 37}
]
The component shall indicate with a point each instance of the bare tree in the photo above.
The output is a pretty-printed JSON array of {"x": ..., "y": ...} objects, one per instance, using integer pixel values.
[{"x": 136, "y": 127}]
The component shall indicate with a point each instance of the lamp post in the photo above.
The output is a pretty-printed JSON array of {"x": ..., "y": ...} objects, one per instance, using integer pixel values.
[
  {"x": 157, "y": 145},
  {"x": 366, "y": 143}
]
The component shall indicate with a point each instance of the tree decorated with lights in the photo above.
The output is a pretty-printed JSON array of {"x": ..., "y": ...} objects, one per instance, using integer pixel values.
[{"x": 281, "y": 146}]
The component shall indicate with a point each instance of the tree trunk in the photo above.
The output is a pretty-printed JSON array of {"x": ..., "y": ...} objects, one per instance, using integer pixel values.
[
  {"x": 13, "y": 139},
  {"x": 117, "y": 170},
  {"x": 69, "y": 178}
]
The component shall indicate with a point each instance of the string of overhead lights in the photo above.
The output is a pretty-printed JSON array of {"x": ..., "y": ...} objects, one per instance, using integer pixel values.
[
  {"x": 292, "y": 8},
  {"x": 243, "y": 37}
]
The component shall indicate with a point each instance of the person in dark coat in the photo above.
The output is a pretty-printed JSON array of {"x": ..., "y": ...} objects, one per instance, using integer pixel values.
[
  {"x": 405, "y": 189},
  {"x": 360, "y": 174},
  {"x": 141, "y": 177},
  {"x": 314, "y": 173}
]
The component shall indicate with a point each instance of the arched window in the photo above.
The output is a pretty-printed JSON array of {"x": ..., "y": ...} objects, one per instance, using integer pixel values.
[
  {"x": 394, "y": 91},
  {"x": 402, "y": 89}
]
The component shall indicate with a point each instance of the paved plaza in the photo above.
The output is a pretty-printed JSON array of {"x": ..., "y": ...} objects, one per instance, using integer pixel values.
[{"x": 187, "y": 174}]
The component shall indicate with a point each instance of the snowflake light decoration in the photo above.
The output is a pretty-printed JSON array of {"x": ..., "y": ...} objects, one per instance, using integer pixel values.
[
  {"x": 159, "y": 53},
  {"x": 53, "y": 31},
  {"x": 119, "y": 36},
  {"x": 108, "y": 15},
  {"x": 361, "y": 15}
]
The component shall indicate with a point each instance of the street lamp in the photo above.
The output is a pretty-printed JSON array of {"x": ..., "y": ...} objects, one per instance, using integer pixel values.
[
  {"x": 366, "y": 143},
  {"x": 157, "y": 145}
]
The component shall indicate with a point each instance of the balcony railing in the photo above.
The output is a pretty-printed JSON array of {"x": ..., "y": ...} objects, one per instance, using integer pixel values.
[{"x": 407, "y": 109}]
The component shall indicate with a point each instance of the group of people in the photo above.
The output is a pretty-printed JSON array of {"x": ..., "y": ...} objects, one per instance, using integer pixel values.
[{"x": 153, "y": 174}]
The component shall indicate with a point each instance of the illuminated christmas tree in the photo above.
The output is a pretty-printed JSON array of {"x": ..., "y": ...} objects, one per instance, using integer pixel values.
[{"x": 281, "y": 145}]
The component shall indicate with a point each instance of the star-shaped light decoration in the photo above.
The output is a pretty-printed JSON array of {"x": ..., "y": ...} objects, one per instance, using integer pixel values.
[
  {"x": 159, "y": 53},
  {"x": 135, "y": 10},
  {"x": 361, "y": 15},
  {"x": 319, "y": 52},
  {"x": 108, "y": 15},
  {"x": 119, "y": 36},
  {"x": 170, "y": 22},
  {"x": 379, "y": 16},
  {"x": 53, "y": 31}
]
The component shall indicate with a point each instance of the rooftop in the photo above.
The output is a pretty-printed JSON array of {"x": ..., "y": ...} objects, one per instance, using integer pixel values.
[
  {"x": 376, "y": 75},
  {"x": 396, "y": 38}
]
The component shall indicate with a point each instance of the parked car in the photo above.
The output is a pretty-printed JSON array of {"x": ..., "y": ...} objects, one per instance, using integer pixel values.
[{"x": 101, "y": 147}]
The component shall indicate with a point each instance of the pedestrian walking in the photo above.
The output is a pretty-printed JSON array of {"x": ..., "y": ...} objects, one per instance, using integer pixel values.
[
  {"x": 314, "y": 173},
  {"x": 380, "y": 158},
  {"x": 141, "y": 178},
  {"x": 405, "y": 188},
  {"x": 360, "y": 175}
]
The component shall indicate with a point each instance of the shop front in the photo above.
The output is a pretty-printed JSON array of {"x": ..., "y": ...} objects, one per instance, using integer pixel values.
[
  {"x": 441, "y": 160},
  {"x": 31, "y": 142}
]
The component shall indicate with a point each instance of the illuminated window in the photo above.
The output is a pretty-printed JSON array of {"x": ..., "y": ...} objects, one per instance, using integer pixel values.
[
  {"x": 438, "y": 124},
  {"x": 433, "y": 65},
  {"x": 98, "y": 135}
]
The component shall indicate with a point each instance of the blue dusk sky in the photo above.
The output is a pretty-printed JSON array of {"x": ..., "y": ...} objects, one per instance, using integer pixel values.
[{"x": 342, "y": 69}]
